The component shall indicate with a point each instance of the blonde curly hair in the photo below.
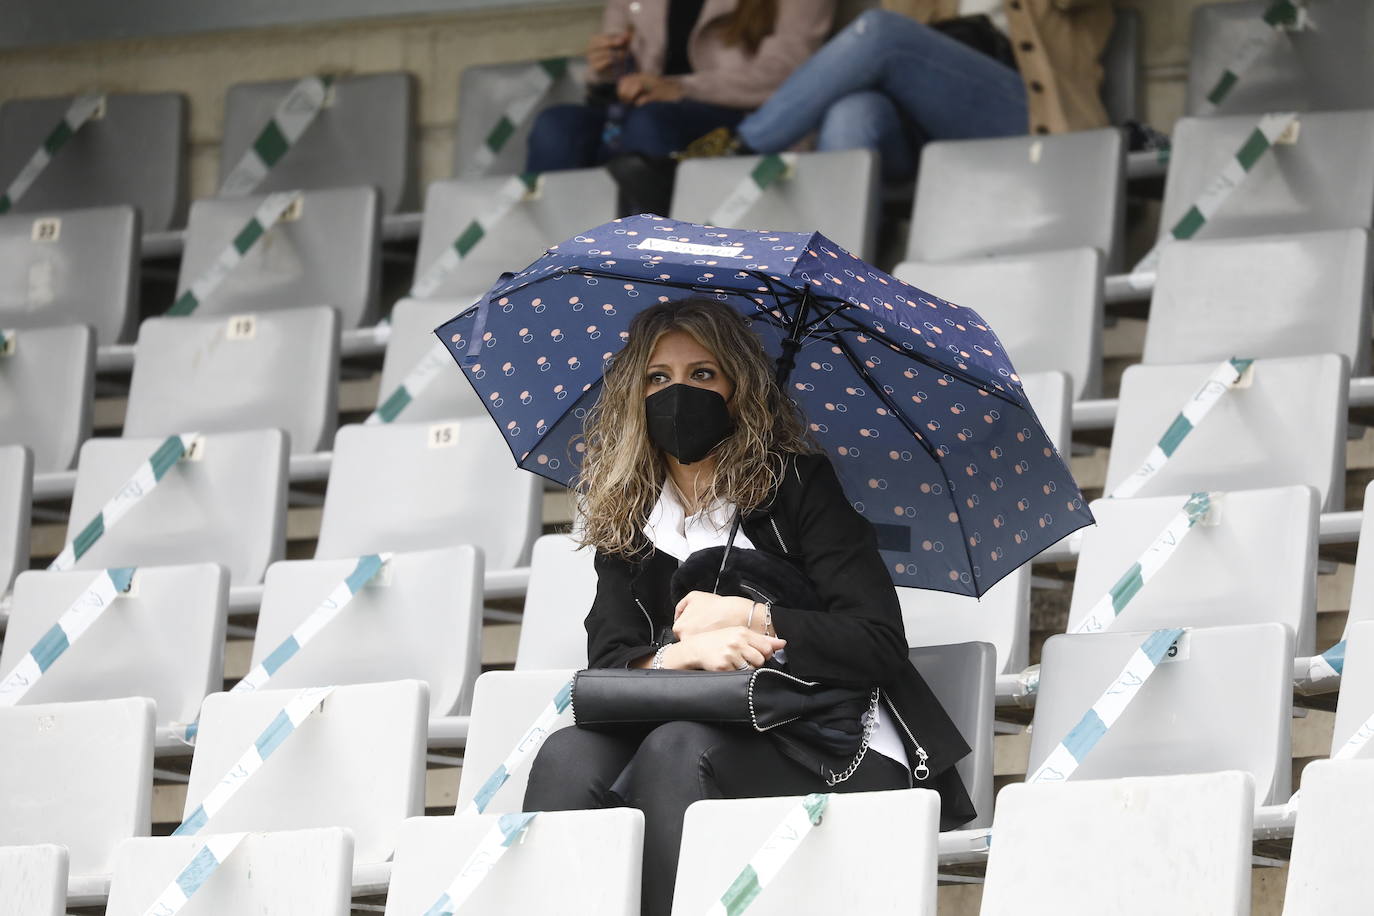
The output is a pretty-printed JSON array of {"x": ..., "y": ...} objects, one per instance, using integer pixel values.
[{"x": 622, "y": 471}]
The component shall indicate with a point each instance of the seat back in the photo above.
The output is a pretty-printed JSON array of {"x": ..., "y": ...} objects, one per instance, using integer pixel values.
[
  {"x": 215, "y": 374},
  {"x": 963, "y": 678},
  {"x": 320, "y": 775},
  {"x": 504, "y": 704},
  {"x": 561, "y": 591},
  {"x": 485, "y": 92},
  {"x": 1288, "y": 295},
  {"x": 1324, "y": 68},
  {"x": 888, "y": 839},
  {"x": 163, "y": 639},
  {"x": 71, "y": 267},
  {"x": 1162, "y": 844},
  {"x": 135, "y": 154},
  {"x": 34, "y": 879},
  {"x": 1051, "y": 397},
  {"x": 79, "y": 775},
  {"x": 805, "y": 201},
  {"x": 1326, "y": 873},
  {"x": 449, "y": 394},
  {"x": 327, "y": 256},
  {"x": 563, "y": 204},
  {"x": 1362, "y": 588},
  {"x": 1355, "y": 704},
  {"x": 1286, "y": 428},
  {"x": 227, "y": 507},
  {"x": 1001, "y": 619},
  {"x": 16, "y": 506},
  {"x": 417, "y": 486},
  {"x": 567, "y": 862},
  {"x": 1226, "y": 699},
  {"x": 1324, "y": 180},
  {"x": 420, "y": 617},
  {"x": 47, "y": 384},
  {"x": 1015, "y": 195},
  {"x": 1253, "y": 559},
  {"x": 272, "y": 874},
  {"x": 1046, "y": 307},
  {"x": 364, "y": 135}
]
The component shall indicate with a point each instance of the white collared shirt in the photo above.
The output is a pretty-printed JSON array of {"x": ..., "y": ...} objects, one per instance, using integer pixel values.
[
  {"x": 671, "y": 530},
  {"x": 993, "y": 9}
]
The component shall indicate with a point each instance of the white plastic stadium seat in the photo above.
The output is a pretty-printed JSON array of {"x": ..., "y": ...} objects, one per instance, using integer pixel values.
[
  {"x": 1284, "y": 295},
  {"x": 1362, "y": 588},
  {"x": 420, "y": 618},
  {"x": 70, "y": 267},
  {"x": 567, "y": 862},
  {"x": 564, "y": 204},
  {"x": 16, "y": 487},
  {"x": 364, "y": 135},
  {"x": 357, "y": 763},
  {"x": 1325, "y": 180},
  {"x": 1014, "y": 195},
  {"x": 216, "y": 374},
  {"x": 449, "y": 395},
  {"x": 484, "y": 92},
  {"x": 416, "y": 486},
  {"x": 1051, "y": 396},
  {"x": 328, "y": 256},
  {"x": 802, "y": 202},
  {"x": 79, "y": 775},
  {"x": 562, "y": 588},
  {"x": 269, "y": 874},
  {"x": 1045, "y": 306},
  {"x": 963, "y": 678},
  {"x": 34, "y": 879},
  {"x": 164, "y": 639},
  {"x": 1001, "y": 617},
  {"x": 1254, "y": 559},
  {"x": 1328, "y": 871},
  {"x": 1287, "y": 428},
  {"x": 133, "y": 154},
  {"x": 1223, "y": 704},
  {"x": 504, "y": 704},
  {"x": 1355, "y": 704},
  {"x": 228, "y": 507},
  {"x": 47, "y": 383},
  {"x": 884, "y": 841},
  {"x": 1130, "y": 847}
]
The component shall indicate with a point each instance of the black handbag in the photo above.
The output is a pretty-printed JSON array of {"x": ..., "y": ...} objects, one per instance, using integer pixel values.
[{"x": 825, "y": 729}]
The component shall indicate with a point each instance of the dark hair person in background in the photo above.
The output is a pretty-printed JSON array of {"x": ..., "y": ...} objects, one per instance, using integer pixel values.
[
  {"x": 937, "y": 70},
  {"x": 664, "y": 72},
  {"x": 648, "y": 500}
]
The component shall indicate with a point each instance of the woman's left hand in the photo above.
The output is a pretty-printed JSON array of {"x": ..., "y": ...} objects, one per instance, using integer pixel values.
[
  {"x": 642, "y": 88},
  {"x": 701, "y": 612}
]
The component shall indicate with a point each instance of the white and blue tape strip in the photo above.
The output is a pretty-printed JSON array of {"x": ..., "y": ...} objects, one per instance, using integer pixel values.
[
  {"x": 63, "y": 634},
  {"x": 81, "y": 110},
  {"x": 764, "y": 865},
  {"x": 1111, "y": 605},
  {"x": 529, "y": 742},
  {"x": 295, "y": 113},
  {"x": 1222, "y": 379},
  {"x": 512, "y": 191},
  {"x": 267, "y": 215},
  {"x": 1097, "y": 721},
  {"x": 283, "y": 725},
  {"x": 507, "y": 830},
  {"x": 148, "y": 475},
  {"x": 767, "y": 172},
  {"x": 435, "y": 361},
  {"x": 193, "y": 877}
]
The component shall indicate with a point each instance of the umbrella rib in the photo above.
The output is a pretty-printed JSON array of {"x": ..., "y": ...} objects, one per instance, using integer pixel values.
[{"x": 883, "y": 396}]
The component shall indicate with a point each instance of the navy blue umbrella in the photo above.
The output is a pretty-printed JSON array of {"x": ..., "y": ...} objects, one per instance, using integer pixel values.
[{"x": 913, "y": 397}]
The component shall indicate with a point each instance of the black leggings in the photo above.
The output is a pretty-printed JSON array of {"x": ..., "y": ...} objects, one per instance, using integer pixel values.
[{"x": 662, "y": 770}]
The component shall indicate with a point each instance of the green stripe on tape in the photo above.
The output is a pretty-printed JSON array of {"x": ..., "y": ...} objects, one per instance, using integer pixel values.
[
  {"x": 60, "y": 135},
  {"x": 166, "y": 456},
  {"x": 742, "y": 892},
  {"x": 186, "y": 304},
  {"x": 5, "y": 203},
  {"x": 1126, "y": 587},
  {"x": 470, "y": 237},
  {"x": 1187, "y": 227},
  {"x": 271, "y": 144},
  {"x": 391, "y": 408},
  {"x": 501, "y": 133},
  {"x": 770, "y": 169},
  {"x": 89, "y": 535},
  {"x": 1280, "y": 13},
  {"x": 1176, "y": 433},
  {"x": 555, "y": 67},
  {"x": 248, "y": 235},
  {"x": 1252, "y": 150}
]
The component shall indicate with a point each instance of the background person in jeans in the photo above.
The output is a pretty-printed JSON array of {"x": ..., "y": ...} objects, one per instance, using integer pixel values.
[
  {"x": 666, "y": 71},
  {"x": 896, "y": 77}
]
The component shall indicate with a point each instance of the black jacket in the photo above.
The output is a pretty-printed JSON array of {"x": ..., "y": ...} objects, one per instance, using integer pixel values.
[{"x": 855, "y": 639}]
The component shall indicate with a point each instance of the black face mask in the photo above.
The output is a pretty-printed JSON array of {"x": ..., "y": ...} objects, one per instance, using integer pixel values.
[{"x": 686, "y": 421}]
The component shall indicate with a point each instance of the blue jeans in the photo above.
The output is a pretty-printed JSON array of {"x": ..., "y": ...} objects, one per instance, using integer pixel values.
[
  {"x": 569, "y": 136},
  {"x": 889, "y": 83}
]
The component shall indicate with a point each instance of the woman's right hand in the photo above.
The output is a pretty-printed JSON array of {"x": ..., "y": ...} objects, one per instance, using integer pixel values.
[
  {"x": 606, "y": 52},
  {"x": 726, "y": 649}
]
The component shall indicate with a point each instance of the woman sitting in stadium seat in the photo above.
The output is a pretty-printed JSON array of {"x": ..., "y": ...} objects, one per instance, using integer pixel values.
[
  {"x": 937, "y": 70},
  {"x": 666, "y": 71},
  {"x": 724, "y": 438}
]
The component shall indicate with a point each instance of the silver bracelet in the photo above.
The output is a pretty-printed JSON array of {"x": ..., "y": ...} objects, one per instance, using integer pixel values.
[
  {"x": 749, "y": 624},
  {"x": 658, "y": 658},
  {"x": 768, "y": 619}
]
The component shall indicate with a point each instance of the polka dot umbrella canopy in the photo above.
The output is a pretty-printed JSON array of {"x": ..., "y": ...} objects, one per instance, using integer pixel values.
[{"x": 913, "y": 397}]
